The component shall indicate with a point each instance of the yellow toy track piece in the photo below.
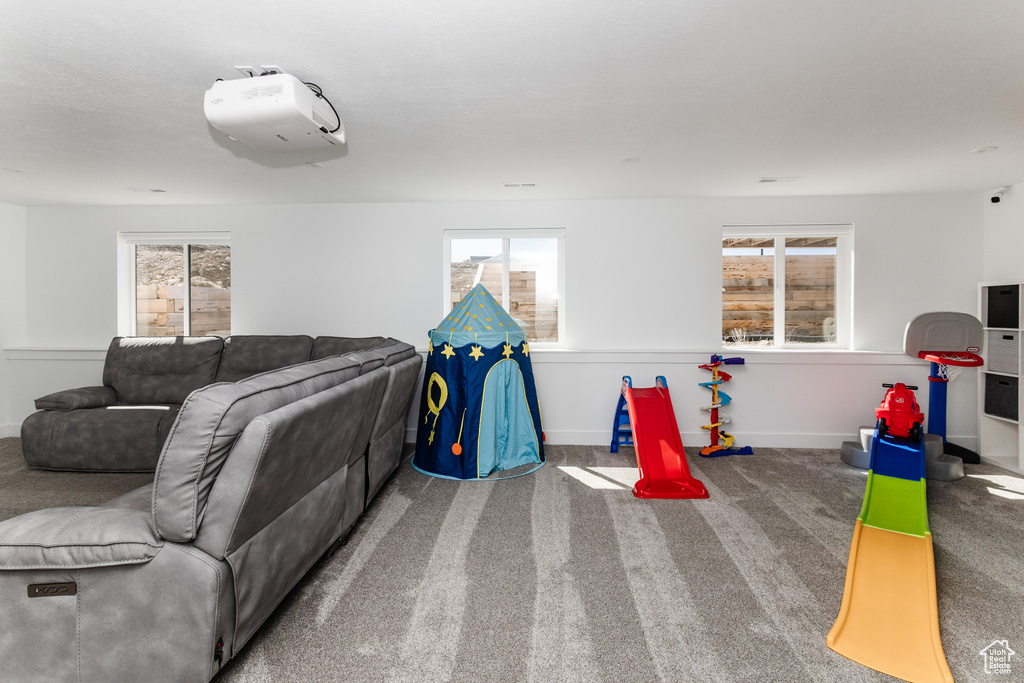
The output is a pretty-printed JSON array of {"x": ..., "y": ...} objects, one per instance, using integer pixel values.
[{"x": 888, "y": 620}]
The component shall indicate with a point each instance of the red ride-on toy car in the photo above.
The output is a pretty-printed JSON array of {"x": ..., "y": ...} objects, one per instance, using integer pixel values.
[{"x": 899, "y": 413}]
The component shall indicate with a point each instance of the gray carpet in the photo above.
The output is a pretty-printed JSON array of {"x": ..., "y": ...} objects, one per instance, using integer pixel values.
[
  {"x": 547, "y": 578},
  {"x": 23, "y": 489}
]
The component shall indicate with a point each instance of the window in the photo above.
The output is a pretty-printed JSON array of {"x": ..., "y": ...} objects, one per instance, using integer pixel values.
[
  {"x": 174, "y": 284},
  {"x": 521, "y": 268},
  {"x": 787, "y": 286}
]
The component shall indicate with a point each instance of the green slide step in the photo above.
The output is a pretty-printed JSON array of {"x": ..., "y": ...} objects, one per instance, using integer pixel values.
[{"x": 895, "y": 504}]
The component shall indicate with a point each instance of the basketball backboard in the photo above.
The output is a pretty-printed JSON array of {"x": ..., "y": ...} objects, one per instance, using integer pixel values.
[{"x": 943, "y": 331}]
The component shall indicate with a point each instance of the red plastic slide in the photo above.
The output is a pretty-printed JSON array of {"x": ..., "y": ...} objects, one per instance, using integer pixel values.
[{"x": 659, "y": 450}]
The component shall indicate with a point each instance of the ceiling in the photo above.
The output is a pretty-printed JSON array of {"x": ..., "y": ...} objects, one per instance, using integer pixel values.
[{"x": 450, "y": 100}]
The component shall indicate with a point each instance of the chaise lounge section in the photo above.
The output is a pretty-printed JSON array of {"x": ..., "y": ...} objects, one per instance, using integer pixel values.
[{"x": 122, "y": 425}]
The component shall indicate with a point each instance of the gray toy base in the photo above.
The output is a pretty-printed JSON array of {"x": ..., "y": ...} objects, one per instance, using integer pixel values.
[
  {"x": 853, "y": 455},
  {"x": 938, "y": 466}
]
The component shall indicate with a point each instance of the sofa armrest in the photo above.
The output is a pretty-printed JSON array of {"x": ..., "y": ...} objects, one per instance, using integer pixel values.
[
  {"x": 74, "y": 399},
  {"x": 77, "y": 538}
]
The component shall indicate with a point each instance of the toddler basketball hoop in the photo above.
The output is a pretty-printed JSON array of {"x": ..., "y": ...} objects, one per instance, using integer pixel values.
[
  {"x": 950, "y": 364},
  {"x": 950, "y": 342}
]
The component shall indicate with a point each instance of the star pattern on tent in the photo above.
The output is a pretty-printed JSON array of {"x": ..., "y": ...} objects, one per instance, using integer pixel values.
[
  {"x": 448, "y": 351},
  {"x": 508, "y": 350},
  {"x": 477, "y": 353},
  {"x": 430, "y": 348},
  {"x": 526, "y": 349}
]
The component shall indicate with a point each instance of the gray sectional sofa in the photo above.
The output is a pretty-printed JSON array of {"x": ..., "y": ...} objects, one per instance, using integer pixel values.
[
  {"x": 121, "y": 425},
  {"x": 256, "y": 480}
]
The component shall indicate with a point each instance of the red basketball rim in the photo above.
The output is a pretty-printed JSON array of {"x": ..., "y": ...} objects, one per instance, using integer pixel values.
[{"x": 964, "y": 359}]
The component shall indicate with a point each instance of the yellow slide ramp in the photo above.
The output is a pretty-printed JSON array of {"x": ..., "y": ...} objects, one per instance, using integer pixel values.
[{"x": 888, "y": 620}]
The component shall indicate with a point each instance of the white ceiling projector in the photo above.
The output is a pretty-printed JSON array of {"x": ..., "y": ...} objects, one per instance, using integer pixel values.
[{"x": 274, "y": 113}]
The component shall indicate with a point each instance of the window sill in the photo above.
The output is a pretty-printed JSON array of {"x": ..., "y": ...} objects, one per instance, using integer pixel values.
[{"x": 686, "y": 357}]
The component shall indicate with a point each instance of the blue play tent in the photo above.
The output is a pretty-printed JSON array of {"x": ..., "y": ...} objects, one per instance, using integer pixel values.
[{"x": 478, "y": 410}]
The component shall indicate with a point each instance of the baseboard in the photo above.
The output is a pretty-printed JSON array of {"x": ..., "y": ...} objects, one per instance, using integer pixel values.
[
  {"x": 754, "y": 440},
  {"x": 9, "y": 430},
  {"x": 1002, "y": 462},
  {"x": 700, "y": 439}
]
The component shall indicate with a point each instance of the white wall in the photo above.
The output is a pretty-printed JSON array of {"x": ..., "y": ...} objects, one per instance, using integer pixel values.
[
  {"x": 12, "y": 301},
  {"x": 1004, "y": 236},
  {"x": 642, "y": 276}
]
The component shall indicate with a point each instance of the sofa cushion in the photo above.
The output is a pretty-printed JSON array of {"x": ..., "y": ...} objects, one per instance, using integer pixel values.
[
  {"x": 385, "y": 450},
  {"x": 284, "y": 454},
  {"x": 208, "y": 426},
  {"x": 336, "y": 346},
  {"x": 390, "y": 353},
  {"x": 402, "y": 380},
  {"x": 112, "y": 439},
  {"x": 140, "y": 499},
  {"x": 77, "y": 538},
  {"x": 248, "y": 355},
  {"x": 145, "y": 370}
]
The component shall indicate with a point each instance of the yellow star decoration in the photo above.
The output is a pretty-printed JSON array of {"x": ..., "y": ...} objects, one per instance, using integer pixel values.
[
  {"x": 448, "y": 351},
  {"x": 526, "y": 349},
  {"x": 508, "y": 350},
  {"x": 477, "y": 353},
  {"x": 430, "y": 348}
]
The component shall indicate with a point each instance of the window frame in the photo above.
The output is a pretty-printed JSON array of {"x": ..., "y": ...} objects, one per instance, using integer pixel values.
[
  {"x": 506, "y": 234},
  {"x": 843, "y": 232},
  {"x": 126, "y": 295}
]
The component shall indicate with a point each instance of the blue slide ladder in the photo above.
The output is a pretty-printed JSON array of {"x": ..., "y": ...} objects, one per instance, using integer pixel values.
[{"x": 622, "y": 430}]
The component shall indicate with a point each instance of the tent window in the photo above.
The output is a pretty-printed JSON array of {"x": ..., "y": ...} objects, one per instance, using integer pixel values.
[{"x": 522, "y": 269}]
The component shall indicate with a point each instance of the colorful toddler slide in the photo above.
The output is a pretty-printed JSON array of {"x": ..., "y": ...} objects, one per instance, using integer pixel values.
[
  {"x": 889, "y": 619},
  {"x": 659, "y": 448}
]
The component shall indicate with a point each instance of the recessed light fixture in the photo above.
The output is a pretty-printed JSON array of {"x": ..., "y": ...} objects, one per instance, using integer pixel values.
[
  {"x": 520, "y": 184},
  {"x": 630, "y": 159},
  {"x": 313, "y": 164},
  {"x": 779, "y": 179},
  {"x": 983, "y": 150},
  {"x": 146, "y": 189}
]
